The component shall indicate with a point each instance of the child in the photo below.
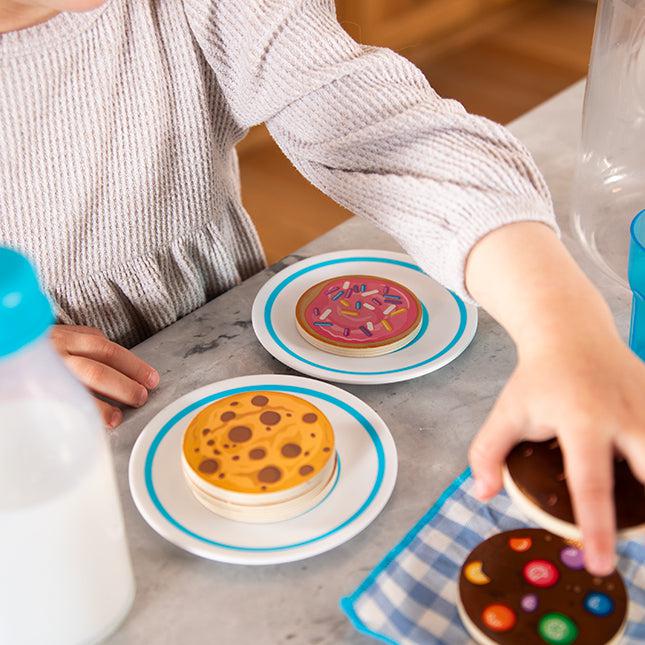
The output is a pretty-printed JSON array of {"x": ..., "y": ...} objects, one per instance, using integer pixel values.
[{"x": 118, "y": 176}]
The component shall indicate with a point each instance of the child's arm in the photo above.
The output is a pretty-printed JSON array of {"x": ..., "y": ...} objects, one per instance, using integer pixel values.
[{"x": 574, "y": 378}]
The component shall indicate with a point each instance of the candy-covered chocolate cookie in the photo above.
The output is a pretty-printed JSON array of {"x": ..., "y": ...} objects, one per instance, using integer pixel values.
[
  {"x": 254, "y": 455},
  {"x": 529, "y": 586},
  {"x": 358, "y": 315},
  {"x": 534, "y": 477}
]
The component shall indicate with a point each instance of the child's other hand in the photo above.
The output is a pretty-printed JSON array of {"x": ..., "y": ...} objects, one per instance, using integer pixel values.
[
  {"x": 575, "y": 378},
  {"x": 105, "y": 368},
  {"x": 589, "y": 392}
]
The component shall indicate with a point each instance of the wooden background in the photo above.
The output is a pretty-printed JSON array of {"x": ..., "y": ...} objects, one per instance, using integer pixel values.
[{"x": 500, "y": 58}]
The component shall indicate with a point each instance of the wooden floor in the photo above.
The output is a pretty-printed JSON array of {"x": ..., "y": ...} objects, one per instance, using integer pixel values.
[{"x": 500, "y": 74}]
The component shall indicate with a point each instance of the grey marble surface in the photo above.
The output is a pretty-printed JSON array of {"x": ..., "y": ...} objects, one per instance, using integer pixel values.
[{"x": 182, "y": 599}]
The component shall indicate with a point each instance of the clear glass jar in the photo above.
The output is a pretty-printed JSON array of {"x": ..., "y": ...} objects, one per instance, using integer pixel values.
[{"x": 610, "y": 181}]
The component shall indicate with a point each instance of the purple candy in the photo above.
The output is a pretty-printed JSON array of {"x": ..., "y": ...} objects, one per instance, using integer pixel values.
[
  {"x": 355, "y": 287},
  {"x": 376, "y": 301},
  {"x": 572, "y": 558},
  {"x": 346, "y": 332},
  {"x": 365, "y": 330},
  {"x": 386, "y": 289},
  {"x": 529, "y": 602},
  {"x": 331, "y": 290},
  {"x": 316, "y": 311}
]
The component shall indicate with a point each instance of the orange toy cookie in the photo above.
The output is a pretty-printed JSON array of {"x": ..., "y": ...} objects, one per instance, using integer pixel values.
[{"x": 259, "y": 456}]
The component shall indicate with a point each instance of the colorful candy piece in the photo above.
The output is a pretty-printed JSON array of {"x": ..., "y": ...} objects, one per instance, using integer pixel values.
[
  {"x": 355, "y": 287},
  {"x": 358, "y": 304},
  {"x": 331, "y": 290},
  {"x": 325, "y": 314},
  {"x": 346, "y": 284},
  {"x": 474, "y": 573},
  {"x": 346, "y": 332},
  {"x": 365, "y": 330},
  {"x": 368, "y": 306},
  {"x": 323, "y": 324},
  {"x": 363, "y": 288},
  {"x": 386, "y": 289},
  {"x": 337, "y": 295},
  {"x": 398, "y": 311},
  {"x": 499, "y": 618},
  {"x": 557, "y": 629},
  {"x": 386, "y": 324},
  {"x": 389, "y": 309},
  {"x": 529, "y": 603},
  {"x": 316, "y": 311},
  {"x": 345, "y": 303},
  {"x": 348, "y": 312},
  {"x": 371, "y": 292},
  {"x": 598, "y": 604},
  {"x": 541, "y": 573},
  {"x": 370, "y": 325},
  {"x": 572, "y": 558},
  {"x": 520, "y": 544},
  {"x": 376, "y": 301}
]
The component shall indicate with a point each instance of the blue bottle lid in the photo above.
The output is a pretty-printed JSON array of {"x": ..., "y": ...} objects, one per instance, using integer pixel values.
[{"x": 25, "y": 311}]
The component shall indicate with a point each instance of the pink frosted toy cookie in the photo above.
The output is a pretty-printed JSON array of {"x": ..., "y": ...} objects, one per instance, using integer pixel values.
[{"x": 358, "y": 315}]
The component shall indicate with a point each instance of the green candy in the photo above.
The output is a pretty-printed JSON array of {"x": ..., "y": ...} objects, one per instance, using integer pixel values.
[{"x": 557, "y": 629}]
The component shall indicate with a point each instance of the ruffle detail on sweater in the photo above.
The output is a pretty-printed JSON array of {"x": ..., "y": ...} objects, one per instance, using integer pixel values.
[{"x": 135, "y": 299}]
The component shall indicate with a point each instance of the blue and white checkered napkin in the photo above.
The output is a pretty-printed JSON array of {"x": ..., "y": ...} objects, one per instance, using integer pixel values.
[{"x": 410, "y": 596}]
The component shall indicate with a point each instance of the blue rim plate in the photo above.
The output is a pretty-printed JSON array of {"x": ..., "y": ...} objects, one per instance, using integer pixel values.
[
  {"x": 448, "y": 325},
  {"x": 367, "y": 473}
]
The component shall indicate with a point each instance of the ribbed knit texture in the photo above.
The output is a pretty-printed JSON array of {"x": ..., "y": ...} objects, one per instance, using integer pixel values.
[{"x": 118, "y": 172}]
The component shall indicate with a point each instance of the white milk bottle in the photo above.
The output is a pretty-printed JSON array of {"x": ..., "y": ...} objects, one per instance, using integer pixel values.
[{"x": 65, "y": 570}]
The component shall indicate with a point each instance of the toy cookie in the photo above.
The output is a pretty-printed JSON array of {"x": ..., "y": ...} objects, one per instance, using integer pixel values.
[
  {"x": 358, "y": 315},
  {"x": 534, "y": 478},
  {"x": 259, "y": 456},
  {"x": 530, "y": 587}
]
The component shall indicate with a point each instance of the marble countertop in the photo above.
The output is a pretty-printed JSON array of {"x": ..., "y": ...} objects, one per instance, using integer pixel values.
[{"x": 183, "y": 599}]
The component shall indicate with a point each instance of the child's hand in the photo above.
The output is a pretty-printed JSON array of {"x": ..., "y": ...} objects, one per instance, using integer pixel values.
[
  {"x": 105, "y": 368},
  {"x": 587, "y": 390},
  {"x": 574, "y": 379}
]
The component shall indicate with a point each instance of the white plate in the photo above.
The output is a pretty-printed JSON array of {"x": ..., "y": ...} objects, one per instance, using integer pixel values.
[
  {"x": 368, "y": 467},
  {"x": 448, "y": 325}
]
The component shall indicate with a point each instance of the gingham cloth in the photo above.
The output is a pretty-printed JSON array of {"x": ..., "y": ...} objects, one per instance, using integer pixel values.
[{"x": 410, "y": 597}]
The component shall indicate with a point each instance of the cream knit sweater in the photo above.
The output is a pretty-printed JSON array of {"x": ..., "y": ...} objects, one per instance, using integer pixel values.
[{"x": 118, "y": 171}]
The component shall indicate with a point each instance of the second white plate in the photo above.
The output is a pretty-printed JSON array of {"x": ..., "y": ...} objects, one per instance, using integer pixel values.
[{"x": 447, "y": 329}]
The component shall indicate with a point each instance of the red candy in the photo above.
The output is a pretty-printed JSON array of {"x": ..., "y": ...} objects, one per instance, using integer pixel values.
[
  {"x": 499, "y": 618},
  {"x": 541, "y": 573}
]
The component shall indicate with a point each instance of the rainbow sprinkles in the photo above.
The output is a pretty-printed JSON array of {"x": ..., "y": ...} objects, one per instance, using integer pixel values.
[{"x": 358, "y": 315}]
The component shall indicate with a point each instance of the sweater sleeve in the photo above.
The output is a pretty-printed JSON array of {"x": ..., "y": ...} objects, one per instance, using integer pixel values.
[{"x": 364, "y": 126}]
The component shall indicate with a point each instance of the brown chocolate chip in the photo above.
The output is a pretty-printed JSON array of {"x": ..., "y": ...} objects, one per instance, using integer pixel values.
[
  {"x": 235, "y": 458},
  {"x": 234, "y": 403},
  {"x": 291, "y": 450},
  {"x": 196, "y": 449},
  {"x": 257, "y": 453},
  {"x": 205, "y": 431},
  {"x": 259, "y": 400},
  {"x": 307, "y": 454},
  {"x": 269, "y": 474},
  {"x": 208, "y": 466},
  {"x": 221, "y": 475},
  {"x": 227, "y": 416},
  {"x": 326, "y": 449},
  {"x": 305, "y": 470},
  {"x": 210, "y": 442},
  {"x": 310, "y": 417},
  {"x": 313, "y": 435},
  {"x": 239, "y": 434},
  {"x": 270, "y": 418},
  {"x": 217, "y": 452}
]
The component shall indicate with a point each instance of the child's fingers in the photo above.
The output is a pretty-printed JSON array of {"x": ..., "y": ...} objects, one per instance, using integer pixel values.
[
  {"x": 631, "y": 446},
  {"x": 105, "y": 351},
  {"x": 107, "y": 381},
  {"x": 488, "y": 451},
  {"x": 589, "y": 472},
  {"x": 110, "y": 414}
]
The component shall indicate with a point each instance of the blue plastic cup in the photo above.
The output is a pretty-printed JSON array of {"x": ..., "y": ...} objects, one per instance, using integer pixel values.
[{"x": 636, "y": 275}]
